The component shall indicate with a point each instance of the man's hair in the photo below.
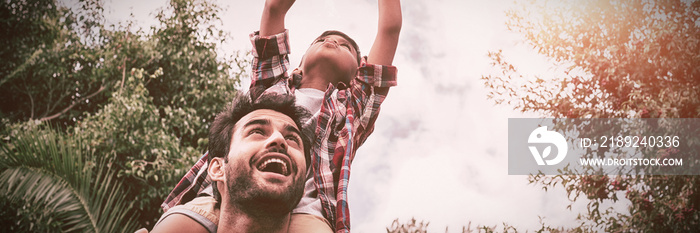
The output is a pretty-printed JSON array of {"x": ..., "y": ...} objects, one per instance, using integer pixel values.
[
  {"x": 346, "y": 37},
  {"x": 221, "y": 130}
]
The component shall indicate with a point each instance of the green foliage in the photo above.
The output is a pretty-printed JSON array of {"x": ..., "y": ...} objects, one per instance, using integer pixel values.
[
  {"x": 54, "y": 70},
  {"x": 141, "y": 99},
  {"x": 195, "y": 84},
  {"x": 48, "y": 183},
  {"x": 130, "y": 134},
  {"x": 620, "y": 59},
  {"x": 22, "y": 33}
]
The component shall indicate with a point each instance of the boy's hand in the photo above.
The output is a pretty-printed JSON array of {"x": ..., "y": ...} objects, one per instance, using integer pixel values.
[
  {"x": 272, "y": 21},
  {"x": 389, "y": 28}
]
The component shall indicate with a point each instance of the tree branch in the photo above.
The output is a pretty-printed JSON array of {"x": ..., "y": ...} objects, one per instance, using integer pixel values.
[
  {"x": 31, "y": 101},
  {"x": 126, "y": 39},
  {"x": 75, "y": 103},
  {"x": 50, "y": 108},
  {"x": 123, "y": 75},
  {"x": 24, "y": 66}
]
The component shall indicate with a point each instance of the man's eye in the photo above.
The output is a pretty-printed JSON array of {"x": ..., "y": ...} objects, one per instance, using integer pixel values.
[
  {"x": 293, "y": 138},
  {"x": 256, "y": 131}
]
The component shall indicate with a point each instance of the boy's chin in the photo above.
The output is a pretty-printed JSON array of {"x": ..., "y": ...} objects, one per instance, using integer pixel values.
[
  {"x": 334, "y": 68},
  {"x": 331, "y": 58}
]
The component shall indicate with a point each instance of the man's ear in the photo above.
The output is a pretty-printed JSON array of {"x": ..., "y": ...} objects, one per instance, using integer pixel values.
[{"x": 216, "y": 169}]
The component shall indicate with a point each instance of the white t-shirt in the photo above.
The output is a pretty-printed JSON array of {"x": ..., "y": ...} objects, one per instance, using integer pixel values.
[{"x": 311, "y": 99}]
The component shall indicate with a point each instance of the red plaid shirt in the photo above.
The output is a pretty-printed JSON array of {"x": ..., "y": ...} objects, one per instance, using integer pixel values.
[{"x": 346, "y": 120}]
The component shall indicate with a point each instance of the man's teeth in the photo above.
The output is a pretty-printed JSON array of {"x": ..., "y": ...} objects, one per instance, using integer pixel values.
[{"x": 274, "y": 165}]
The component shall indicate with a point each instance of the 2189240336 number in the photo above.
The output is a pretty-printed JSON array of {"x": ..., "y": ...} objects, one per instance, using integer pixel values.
[{"x": 640, "y": 141}]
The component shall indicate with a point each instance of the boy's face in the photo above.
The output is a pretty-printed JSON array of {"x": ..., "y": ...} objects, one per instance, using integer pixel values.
[{"x": 332, "y": 53}]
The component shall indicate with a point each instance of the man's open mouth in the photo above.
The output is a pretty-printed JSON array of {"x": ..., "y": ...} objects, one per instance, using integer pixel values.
[{"x": 274, "y": 164}]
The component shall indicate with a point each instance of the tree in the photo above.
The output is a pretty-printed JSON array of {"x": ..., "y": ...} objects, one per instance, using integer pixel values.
[
  {"x": 195, "y": 83},
  {"x": 139, "y": 99},
  {"x": 129, "y": 134},
  {"x": 620, "y": 59},
  {"x": 52, "y": 70}
]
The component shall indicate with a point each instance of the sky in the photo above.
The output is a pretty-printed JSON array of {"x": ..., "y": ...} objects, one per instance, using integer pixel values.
[{"x": 439, "y": 149}]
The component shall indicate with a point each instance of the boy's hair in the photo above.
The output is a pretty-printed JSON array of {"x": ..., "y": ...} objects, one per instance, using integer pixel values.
[
  {"x": 221, "y": 130},
  {"x": 346, "y": 37}
]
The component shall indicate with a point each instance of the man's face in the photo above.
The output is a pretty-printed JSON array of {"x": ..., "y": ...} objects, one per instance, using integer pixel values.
[
  {"x": 332, "y": 52},
  {"x": 266, "y": 164}
]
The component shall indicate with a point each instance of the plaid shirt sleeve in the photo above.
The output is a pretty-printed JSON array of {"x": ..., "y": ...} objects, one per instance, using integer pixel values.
[
  {"x": 369, "y": 89},
  {"x": 195, "y": 180},
  {"x": 270, "y": 62},
  {"x": 347, "y": 118}
]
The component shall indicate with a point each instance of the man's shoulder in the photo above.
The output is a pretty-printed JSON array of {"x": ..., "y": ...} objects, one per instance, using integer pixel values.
[{"x": 198, "y": 215}]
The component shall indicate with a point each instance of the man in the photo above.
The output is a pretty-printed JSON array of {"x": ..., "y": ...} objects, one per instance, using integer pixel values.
[{"x": 257, "y": 164}]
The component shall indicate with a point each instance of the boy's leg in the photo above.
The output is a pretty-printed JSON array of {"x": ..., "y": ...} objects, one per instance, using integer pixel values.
[{"x": 309, "y": 223}]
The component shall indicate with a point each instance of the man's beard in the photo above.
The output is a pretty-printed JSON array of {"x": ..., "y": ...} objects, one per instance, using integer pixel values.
[{"x": 255, "y": 200}]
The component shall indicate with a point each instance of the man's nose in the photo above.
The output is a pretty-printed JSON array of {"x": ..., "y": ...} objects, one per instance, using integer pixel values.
[{"x": 276, "y": 140}]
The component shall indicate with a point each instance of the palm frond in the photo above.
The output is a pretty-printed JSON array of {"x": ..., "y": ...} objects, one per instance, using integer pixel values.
[{"x": 48, "y": 172}]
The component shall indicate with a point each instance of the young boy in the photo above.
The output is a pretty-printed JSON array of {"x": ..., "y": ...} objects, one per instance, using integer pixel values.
[{"x": 344, "y": 92}]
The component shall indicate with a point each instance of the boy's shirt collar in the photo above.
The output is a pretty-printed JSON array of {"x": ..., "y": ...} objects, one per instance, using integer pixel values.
[{"x": 295, "y": 83}]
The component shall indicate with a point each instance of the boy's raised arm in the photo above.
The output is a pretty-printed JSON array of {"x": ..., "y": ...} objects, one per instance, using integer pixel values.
[
  {"x": 384, "y": 47},
  {"x": 272, "y": 21}
]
